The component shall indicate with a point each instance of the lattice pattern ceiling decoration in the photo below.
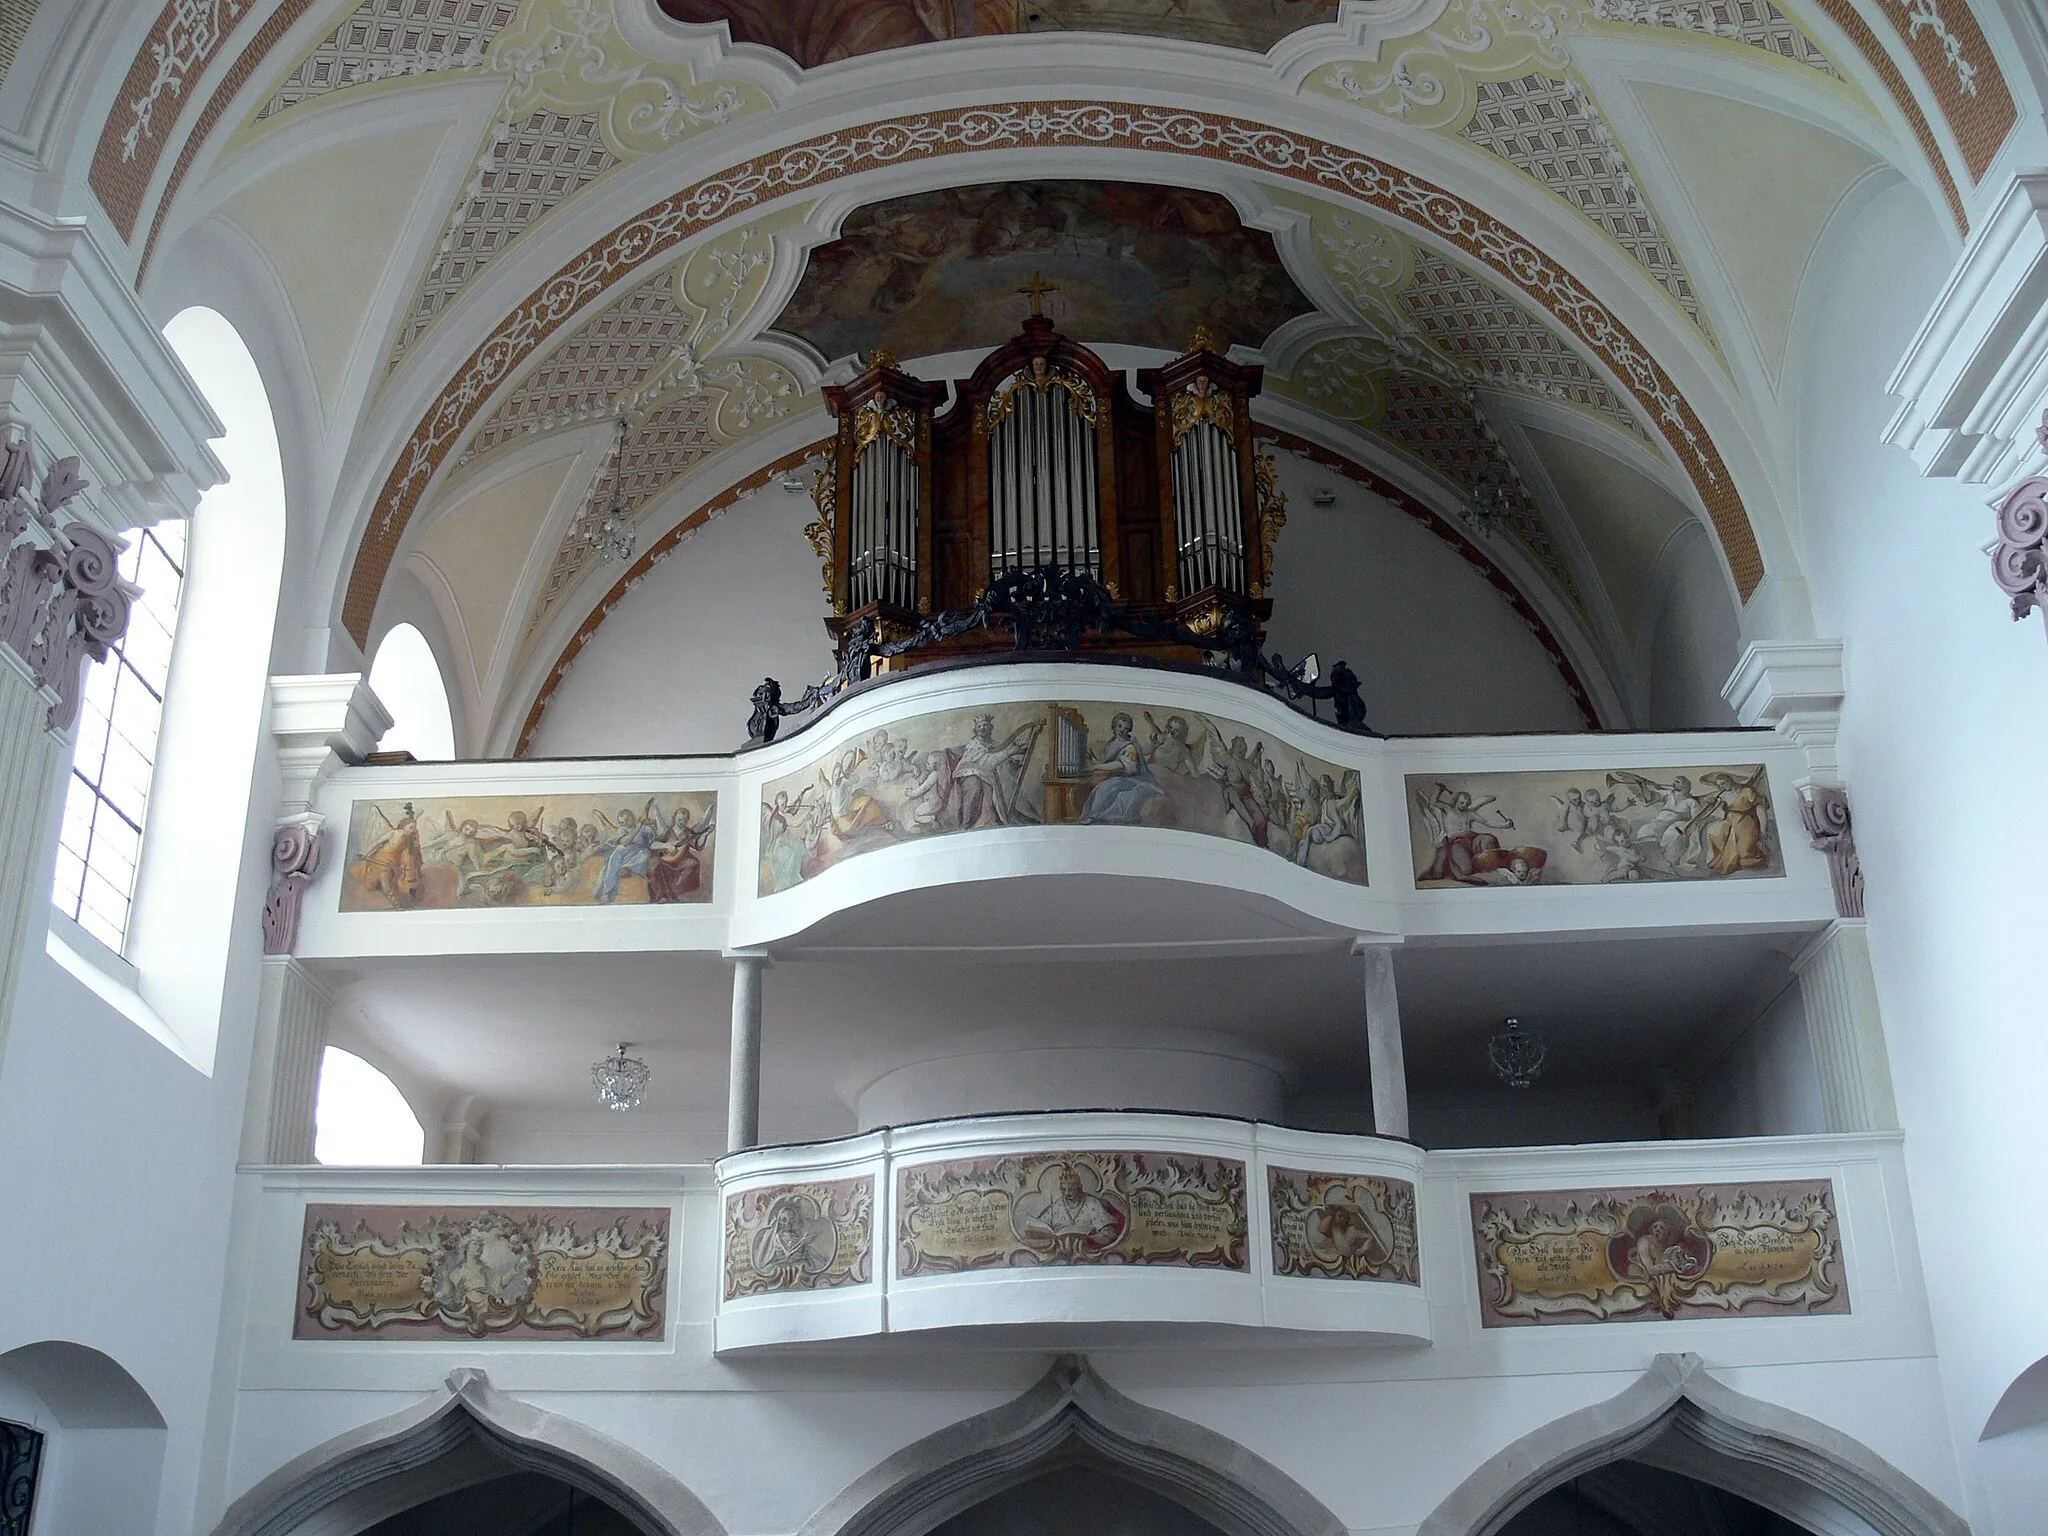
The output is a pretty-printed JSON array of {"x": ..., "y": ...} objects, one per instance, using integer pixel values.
[
  {"x": 1551, "y": 129},
  {"x": 391, "y": 39}
]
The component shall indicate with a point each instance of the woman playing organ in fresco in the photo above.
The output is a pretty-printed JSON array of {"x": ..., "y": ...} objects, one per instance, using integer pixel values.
[{"x": 1123, "y": 780}]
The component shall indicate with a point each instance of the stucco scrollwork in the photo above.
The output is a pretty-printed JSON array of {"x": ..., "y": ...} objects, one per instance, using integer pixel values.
[
  {"x": 294, "y": 861},
  {"x": 2019, "y": 561},
  {"x": 63, "y": 601},
  {"x": 1825, "y": 810}
]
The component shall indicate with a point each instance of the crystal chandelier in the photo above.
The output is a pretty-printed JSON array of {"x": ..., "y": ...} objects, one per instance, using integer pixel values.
[
  {"x": 1516, "y": 1055},
  {"x": 620, "y": 1080},
  {"x": 609, "y": 534}
]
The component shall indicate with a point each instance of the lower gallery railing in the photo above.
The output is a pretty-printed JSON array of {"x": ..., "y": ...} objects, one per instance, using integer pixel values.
[{"x": 1083, "y": 1229}]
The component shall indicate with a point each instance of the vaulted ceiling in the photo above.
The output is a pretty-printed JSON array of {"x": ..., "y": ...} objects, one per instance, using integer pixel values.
[{"x": 1544, "y": 255}]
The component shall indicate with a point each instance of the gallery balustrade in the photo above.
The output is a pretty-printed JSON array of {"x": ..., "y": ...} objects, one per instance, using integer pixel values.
[{"x": 1171, "y": 779}]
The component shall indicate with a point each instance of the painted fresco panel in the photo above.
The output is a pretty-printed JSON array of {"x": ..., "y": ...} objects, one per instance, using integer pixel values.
[
  {"x": 567, "y": 850},
  {"x": 501, "y": 1272},
  {"x": 1035, "y": 1209},
  {"x": 814, "y": 1236},
  {"x": 1343, "y": 1226},
  {"x": 1033, "y": 764},
  {"x": 1593, "y": 827},
  {"x": 814, "y": 32},
  {"x": 942, "y": 271},
  {"x": 1651, "y": 1255}
]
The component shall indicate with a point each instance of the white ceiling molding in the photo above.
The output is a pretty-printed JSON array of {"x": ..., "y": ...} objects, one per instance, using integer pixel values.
[{"x": 1974, "y": 381}]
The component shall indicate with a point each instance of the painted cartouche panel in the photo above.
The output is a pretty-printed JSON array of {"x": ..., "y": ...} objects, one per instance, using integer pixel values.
[
  {"x": 1593, "y": 827},
  {"x": 503, "y": 1272},
  {"x": 814, "y": 1236},
  {"x": 1044, "y": 764},
  {"x": 1032, "y": 1209},
  {"x": 565, "y": 850},
  {"x": 1650, "y": 1255},
  {"x": 1343, "y": 1226}
]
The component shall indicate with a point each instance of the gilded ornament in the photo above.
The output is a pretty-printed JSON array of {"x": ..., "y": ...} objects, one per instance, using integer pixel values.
[
  {"x": 825, "y": 492},
  {"x": 1272, "y": 511},
  {"x": 1201, "y": 401}
]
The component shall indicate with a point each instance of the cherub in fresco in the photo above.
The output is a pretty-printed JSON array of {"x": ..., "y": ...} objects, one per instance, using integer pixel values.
[
  {"x": 565, "y": 864},
  {"x": 1170, "y": 750},
  {"x": 1464, "y": 832},
  {"x": 464, "y": 848}
]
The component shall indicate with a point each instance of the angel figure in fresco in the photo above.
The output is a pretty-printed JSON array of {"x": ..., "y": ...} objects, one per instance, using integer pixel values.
[
  {"x": 1735, "y": 840},
  {"x": 1673, "y": 824},
  {"x": 392, "y": 863},
  {"x": 676, "y": 869},
  {"x": 789, "y": 831},
  {"x": 1463, "y": 831},
  {"x": 565, "y": 864},
  {"x": 1241, "y": 770},
  {"x": 526, "y": 852},
  {"x": 1123, "y": 779},
  {"x": 630, "y": 850},
  {"x": 1069, "y": 1219},
  {"x": 1170, "y": 750},
  {"x": 853, "y": 809},
  {"x": 1337, "y": 814},
  {"x": 994, "y": 771},
  {"x": 466, "y": 849}
]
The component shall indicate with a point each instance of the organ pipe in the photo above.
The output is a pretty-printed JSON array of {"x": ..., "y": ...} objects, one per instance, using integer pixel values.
[
  {"x": 1209, "y": 510},
  {"x": 1043, "y": 497}
]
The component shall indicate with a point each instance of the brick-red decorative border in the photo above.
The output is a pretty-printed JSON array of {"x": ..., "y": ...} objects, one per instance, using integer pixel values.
[
  {"x": 656, "y": 553},
  {"x": 1844, "y": 15},
  {"x": 925, "y": 136},
  {"x": 1315, "y": 452}
]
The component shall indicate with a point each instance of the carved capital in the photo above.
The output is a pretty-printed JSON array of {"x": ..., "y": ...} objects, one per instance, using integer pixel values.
[
  {"x": 294, "y": 861},
  {"x": 1825, "y": 810},
  {"x": 2019, "y": 561},
  {"x": 62, "y": 600}
]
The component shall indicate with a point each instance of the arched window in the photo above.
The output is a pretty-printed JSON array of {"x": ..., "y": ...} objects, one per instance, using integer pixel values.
[
  {"x": 114, "y": 757},
  {"x": 360, "y": 1119},
  {"x": 407, "y": 681}
]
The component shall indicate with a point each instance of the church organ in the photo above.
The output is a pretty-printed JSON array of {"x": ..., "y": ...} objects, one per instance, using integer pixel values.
[{"x": 1045, "y": 458}]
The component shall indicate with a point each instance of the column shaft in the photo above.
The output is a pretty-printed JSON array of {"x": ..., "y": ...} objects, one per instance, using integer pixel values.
[
  {"x": 1383, "y": 1041},
  {"x": 1846, "y": 1030},
  {"x": 30, "y": 757},
  {"x": 284, "y": 1066},
  {"x": 743, "y": 1099}
]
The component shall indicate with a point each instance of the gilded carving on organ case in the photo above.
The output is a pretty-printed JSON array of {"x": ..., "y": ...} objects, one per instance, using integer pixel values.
[
  {"x": 1046, "y": 764},
  {"x": 1596, "y": 827},
  {"x": 1063, "y": 1208},
  {"x": 799, "y": 1237},
  {"x": 571, "y": 850},
  {"x": 392, "y": 1271},
  {"x": 1647, "y": 1255},
  {"x": 1343, "y": 1226}
]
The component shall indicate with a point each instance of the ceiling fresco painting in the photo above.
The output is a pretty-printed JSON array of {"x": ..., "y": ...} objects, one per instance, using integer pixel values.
[
  {"x": 941, "y": 271},
  {"x": 816, "y": 32}
]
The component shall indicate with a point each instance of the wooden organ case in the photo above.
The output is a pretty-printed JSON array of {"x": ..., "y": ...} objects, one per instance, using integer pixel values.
[{"x": 1045, "y": 458}]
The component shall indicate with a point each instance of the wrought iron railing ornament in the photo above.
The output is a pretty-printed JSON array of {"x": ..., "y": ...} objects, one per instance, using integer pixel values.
[{"x": 1050, "y": 609}]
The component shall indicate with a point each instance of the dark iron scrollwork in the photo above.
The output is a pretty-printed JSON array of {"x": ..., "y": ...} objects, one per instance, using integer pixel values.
[
  {"x": 21, "y": 1463},
  {"x": 1052, "y": 609}
]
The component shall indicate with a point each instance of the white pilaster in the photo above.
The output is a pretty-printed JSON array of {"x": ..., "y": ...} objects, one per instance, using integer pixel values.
[
  {"x": 284, "y": 1067},
  {"x": 1846, "y": 1030},
  {"x": 462, "y": 1130},
  {"x": 30, "y": 757},
  {"x": 1383, "y": 1039}
]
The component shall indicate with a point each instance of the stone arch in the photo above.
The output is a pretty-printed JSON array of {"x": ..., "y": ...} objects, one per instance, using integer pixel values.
[
  {"x": 467, "y": 1434},
  {"x": 1073, "y": 1414},
  {"x": 1787, "y": 1462}
]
